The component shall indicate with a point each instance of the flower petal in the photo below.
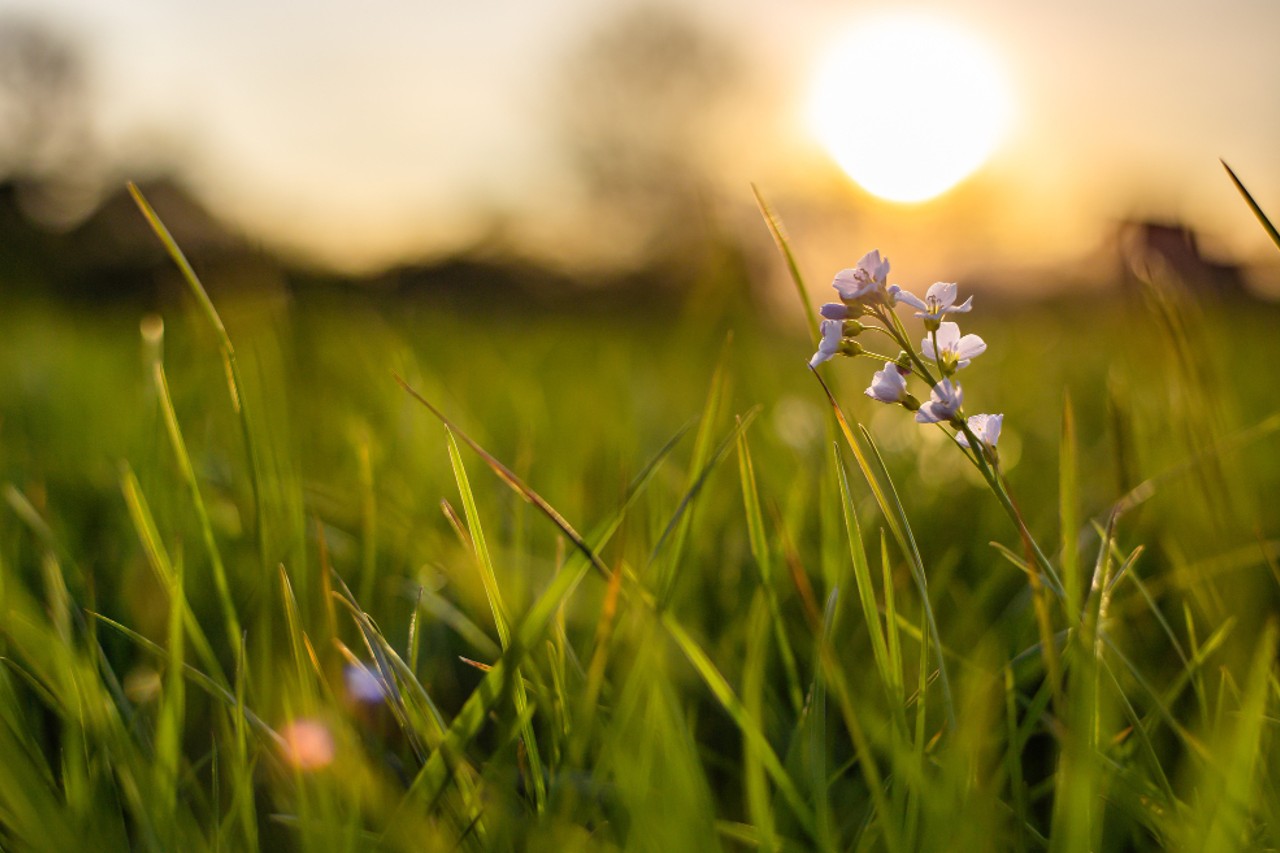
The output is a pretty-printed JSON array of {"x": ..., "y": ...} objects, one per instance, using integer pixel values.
[
  {"x": 887, "y": 385},
  {"x": 970, "y": 346},
  {"x": 943, "y": 293},
  {"x": 911, "y": 299},
  {"x": 944, "y": 401}
]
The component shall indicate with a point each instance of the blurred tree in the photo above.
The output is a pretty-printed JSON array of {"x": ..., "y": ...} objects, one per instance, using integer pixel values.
[
  {"x": 43, "y": 117},
  {"x": 639, "y": 110}
]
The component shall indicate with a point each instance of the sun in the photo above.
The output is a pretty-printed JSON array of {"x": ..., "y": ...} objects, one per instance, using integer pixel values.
[{"x": 909, "y": 105}]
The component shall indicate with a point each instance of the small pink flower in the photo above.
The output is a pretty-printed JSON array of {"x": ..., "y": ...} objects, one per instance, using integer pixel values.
[{"x": 307, "y": 744}]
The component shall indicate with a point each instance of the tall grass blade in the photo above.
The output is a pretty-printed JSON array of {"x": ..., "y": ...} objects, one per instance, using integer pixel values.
[
  {"x": 485, "y": 563},
  {"x": 895, "y": 517},
  {"x": 755, "y": 778},
  {"x": 702, "y": 449},
  {"x": 435, "y": 774},
  {"x": 234, "y": 383},
  {"x": 1068, "y": 512},
  {"x": 1253, "y": 205},
  {"x": 890, "y": 679},
  {"x": 780, "y": 238},
  {"x": 746, "y": 724},
  {"x": 179, "y": 445},
  {"x": 162, "y": 566},
  {"x": 171, "y": 715},
  {"x": 1230, "y": 793},
  {"x": 760, "y": 550}
]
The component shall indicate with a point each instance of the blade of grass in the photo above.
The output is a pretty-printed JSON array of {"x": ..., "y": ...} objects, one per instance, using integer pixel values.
[
  {"x": 702, "y": 448},
  {"x": 1228, "y": 785},
  {"x": 162, "y": 566},
  {"x": 1068, "y": 514},
  {"x": 234, "y": 382},
  {"x": 747, "y": 725},
  {"x": 895, "y": 517},
  {"x": 760, "y": 550},
  {"x": 755, "y": 779},
  {"x": 171, "y": 714},
  {"x": 484, "y": 562},
  {"x": 784, "y": 246},
  {"x": 436, "y": 772},
  {"x": 1253, "y": 205},
  {"x": 889, "y": 676},
  {"x": 187, "y": 470}
]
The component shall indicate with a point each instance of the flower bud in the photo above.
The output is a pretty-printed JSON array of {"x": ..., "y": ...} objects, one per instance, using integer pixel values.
[
  {"x": 851, "y": 348},
  {"x": 910, "y": 403},
  {"x": 903, "y": 361},
  {"x": 852, "y": 328}
]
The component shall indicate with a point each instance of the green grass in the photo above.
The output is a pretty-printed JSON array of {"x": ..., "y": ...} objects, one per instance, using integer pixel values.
[{"x": 642, "y": 591}]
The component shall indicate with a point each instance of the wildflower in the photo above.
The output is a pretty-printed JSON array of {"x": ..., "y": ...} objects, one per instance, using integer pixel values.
[
  {"x": 985, "y": 427},
  {"x": 888, "y": 385},
  {"x": 307, "y": 744},
  {"x": 938, "y": 302},
  {"x": 834, "y": 311},
  {"x": 944, "y": 403},
  {"x": 833, "y": 343},
  {"x": 363, "y": 684},
  {"x": 864, "y": 281},
  {"x": 953, "y": 352}
]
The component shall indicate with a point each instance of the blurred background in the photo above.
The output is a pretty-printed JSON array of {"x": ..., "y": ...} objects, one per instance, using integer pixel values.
[{"x": 565, "y": 147}]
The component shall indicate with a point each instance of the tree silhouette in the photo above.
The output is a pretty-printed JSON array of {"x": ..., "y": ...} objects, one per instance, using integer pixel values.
[{"x": 638, "y": 109}]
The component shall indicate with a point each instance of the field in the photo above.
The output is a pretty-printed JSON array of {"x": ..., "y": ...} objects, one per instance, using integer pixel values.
[{"x": 644, "y": 593}]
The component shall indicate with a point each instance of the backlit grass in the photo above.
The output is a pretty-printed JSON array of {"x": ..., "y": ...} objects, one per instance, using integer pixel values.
[{"x": 629, "y": 585}]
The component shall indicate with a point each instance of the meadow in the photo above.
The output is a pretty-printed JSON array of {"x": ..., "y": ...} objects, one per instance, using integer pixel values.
[{"x": 328, "y": 572}]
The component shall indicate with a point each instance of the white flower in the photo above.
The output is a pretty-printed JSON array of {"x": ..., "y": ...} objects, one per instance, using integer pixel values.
[
  {"x": 888, "y": 385},
  {"x": 953, "y": 351},
  {"x": 985, "y": 427},
  {"x": 938, "y": 302},
  {"x": 832, "y": 342},
  {"x": 865, "y": 280},
  {"x": 944, "y": 401}
]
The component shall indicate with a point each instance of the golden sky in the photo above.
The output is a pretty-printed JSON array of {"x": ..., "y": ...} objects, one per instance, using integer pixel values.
[{"x": 362, "y": 134}]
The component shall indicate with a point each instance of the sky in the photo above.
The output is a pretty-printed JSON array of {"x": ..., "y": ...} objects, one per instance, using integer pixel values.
[{"x": 361, "y": 135}]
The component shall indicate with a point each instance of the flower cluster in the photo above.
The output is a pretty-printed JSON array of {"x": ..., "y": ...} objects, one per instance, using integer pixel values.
[{"x": 867, "y": 303}]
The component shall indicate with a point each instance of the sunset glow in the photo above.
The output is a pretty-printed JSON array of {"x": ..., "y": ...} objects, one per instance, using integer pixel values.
[{"x": 909, "y": 106}]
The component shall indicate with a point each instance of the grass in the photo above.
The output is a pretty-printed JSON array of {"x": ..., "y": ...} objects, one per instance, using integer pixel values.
[{"x": 627, "y": 584}]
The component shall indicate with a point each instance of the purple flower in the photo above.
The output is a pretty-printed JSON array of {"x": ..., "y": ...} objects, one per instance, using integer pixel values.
[
  {"x": 363, "y": 684},
  {"x": 944, "y": 402},
  {"x": 864, "y": 281},
  {"x": 953, "y": 352},
  {"x": 986, "y": 428},
  {"x": 832, "y": 342},
  {"x": 888, "y": 385},
  {"x": 938, "y": 302}
]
